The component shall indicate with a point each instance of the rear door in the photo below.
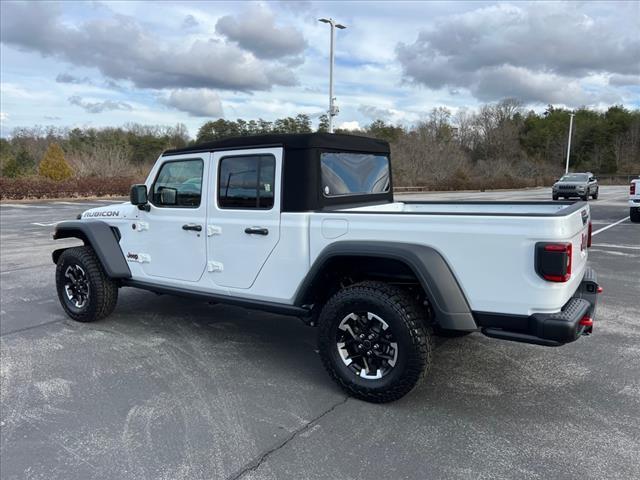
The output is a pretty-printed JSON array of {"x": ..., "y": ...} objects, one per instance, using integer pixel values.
[{"x": 243, "y": 224}]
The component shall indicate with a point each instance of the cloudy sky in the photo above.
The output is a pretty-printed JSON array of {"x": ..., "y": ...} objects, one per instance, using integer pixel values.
[{"x": 104, "y": 63}]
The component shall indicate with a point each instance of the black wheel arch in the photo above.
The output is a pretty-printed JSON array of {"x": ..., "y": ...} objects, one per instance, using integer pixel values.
[
  {"x": 102, "y": 238},
  {"x": 441, "y": 288}
]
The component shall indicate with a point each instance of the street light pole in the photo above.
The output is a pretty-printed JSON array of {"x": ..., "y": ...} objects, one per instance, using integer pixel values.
[
  {"x": 333, "y": 109},
  {"x": 571, "y": 115}
]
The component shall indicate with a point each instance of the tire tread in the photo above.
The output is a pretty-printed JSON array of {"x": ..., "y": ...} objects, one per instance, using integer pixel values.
[
  {"x": 409, "y": 311},
  {"x": 104, "y": 290}
]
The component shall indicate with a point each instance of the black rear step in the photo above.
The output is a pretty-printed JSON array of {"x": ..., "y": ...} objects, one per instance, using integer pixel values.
[{"x": 547, "y": 329}]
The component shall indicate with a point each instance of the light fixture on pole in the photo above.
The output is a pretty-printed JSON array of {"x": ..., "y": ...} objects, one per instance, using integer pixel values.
[
  {"x": 333, "y": 109},
  {"x": 571, "y": 115}
]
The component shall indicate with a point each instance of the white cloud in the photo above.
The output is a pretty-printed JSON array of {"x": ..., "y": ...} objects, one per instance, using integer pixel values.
[
  {"x": 121, "y": 48},
  {"x": 196, "y": 102},
  {"x": 395, "y": 61},
  {"x": 538, "y": 55},
  {"x": 354, "y": 125},
  {"x": 255, "y": 30}
]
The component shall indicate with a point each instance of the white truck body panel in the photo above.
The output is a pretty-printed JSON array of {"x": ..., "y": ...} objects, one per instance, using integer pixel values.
[
  {"x": 489, "y": 246},
  {"x": 634, "y": 200}
]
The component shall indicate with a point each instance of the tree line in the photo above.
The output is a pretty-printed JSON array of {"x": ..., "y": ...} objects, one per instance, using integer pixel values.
[{"x": 497, "y": 145}]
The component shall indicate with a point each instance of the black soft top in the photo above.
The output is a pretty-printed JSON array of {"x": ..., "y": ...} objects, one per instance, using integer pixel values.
[
  {"x": 301, "y": 174},
  {"x": 292, "y": 141}
]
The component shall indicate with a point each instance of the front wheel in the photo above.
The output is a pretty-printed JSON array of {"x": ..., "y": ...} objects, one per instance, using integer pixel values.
[
  {"x": 585, "y": 197},
  {"x": 634, "y": 214},
  {"x": 85, "y": 292},
  {"x": 374, "y": 342},
  {"x": 595, "y": 195},
  {"x": 554, "y": 197}
]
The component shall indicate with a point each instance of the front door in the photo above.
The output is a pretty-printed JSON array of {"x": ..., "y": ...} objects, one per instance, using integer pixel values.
[
  {"x": 243, "y": 224},
  {"x": 171, "y": 237}
]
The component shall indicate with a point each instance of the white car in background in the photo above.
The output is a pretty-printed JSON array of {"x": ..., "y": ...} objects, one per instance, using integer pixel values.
[{"x": 634, "y": 200}]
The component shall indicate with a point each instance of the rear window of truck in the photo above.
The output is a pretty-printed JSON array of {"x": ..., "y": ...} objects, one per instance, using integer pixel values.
[{"x": 354, "y": 173}]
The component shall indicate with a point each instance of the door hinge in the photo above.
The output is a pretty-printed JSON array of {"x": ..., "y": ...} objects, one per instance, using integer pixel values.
[
  {"x": 140, "y": 226},
  {"x": 215, "y": 267},
  {"x": 213, "y": 230}
]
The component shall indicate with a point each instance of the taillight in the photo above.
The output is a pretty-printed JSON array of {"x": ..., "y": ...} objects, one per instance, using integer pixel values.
[
  {"x": 632, "y": 188},
  {"x": 553, "y": 261},
  {"x": 589, "y": 235}
]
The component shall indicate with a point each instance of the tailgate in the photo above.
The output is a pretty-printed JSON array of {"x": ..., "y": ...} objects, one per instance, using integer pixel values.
[{"x": 579, "y": 224}]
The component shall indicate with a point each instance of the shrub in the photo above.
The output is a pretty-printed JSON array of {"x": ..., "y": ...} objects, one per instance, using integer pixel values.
[
  {"x": 38, "y": 187},
  {"x": 53, "y": 165},
  {"x": 19, "y": 165}
]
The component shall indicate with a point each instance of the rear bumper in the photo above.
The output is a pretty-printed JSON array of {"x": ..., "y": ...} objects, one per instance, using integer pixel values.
[{"x": 548, "y": 329}]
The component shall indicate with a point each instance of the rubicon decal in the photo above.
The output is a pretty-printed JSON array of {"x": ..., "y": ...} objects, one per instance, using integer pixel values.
[{"x": 106, "y": 213}]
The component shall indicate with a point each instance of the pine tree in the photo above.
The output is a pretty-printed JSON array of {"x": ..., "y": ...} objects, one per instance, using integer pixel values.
[{"x": 53, "y": 165}]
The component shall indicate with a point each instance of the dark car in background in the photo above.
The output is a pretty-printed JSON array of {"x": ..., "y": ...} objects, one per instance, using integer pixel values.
[{"x": 583, "y": 185}]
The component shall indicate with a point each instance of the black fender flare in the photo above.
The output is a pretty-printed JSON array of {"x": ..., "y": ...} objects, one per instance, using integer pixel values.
[
  {"x": 443, "y": 291},
  {"x": 99, "y": 236}
]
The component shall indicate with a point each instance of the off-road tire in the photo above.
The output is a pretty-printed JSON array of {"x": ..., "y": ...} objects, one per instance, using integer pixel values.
[
  {"x": 406, "y": 319},
  {"x": 634, "y": 214},
  {"x": 103, "y": 292}
]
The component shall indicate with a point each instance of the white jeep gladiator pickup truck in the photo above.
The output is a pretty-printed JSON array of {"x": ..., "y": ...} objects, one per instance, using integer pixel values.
[{"x": 307, "y": 225}]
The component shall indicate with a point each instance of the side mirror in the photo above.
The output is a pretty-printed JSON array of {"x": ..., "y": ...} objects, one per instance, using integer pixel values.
[
  {"x": 138, "y": 196},
  {"x": 168, "y": 196}
]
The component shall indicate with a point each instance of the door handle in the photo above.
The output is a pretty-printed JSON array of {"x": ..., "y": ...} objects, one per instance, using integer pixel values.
[
  {"x": 256, "y": 231},
  {"x": 192, "y": 226}
]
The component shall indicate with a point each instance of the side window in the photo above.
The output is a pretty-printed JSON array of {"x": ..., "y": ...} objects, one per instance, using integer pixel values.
[
  {"x": 178, "y": 184},
  {"x": 247, "y": 182}
]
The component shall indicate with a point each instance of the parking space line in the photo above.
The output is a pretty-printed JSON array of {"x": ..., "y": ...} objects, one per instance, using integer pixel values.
[
  {"x": 21, "y": 205},
  {"x": 608, "y": 245},
  {"x": 609, "y": 226},
  {"x": 51, "y": 224}
]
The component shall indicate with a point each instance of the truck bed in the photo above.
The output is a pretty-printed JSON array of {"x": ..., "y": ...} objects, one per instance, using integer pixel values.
[
  {"x": 490, "y": 246},
  {"x": 473, "y": 208}
]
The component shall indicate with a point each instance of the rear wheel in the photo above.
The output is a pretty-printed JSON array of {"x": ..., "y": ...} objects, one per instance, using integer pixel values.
[
  {"x": 84, "y": 290},
  {"x": 374, "y": 342},
  {"x": 634, "y": 214}
]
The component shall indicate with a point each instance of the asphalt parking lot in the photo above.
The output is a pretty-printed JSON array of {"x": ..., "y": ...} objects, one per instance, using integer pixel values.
[{"x": 167, "y": 388}]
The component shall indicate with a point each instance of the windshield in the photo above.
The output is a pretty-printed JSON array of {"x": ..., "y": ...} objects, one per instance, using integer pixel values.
[
  {"x": 575, "y": 177},
  {"x": 354, "y": 173}
]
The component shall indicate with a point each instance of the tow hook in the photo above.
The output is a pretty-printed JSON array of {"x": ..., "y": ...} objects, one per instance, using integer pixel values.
[{"x": 587, "y": 325}]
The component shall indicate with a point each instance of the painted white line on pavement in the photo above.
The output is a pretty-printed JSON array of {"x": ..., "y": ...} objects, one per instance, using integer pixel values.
[
  {"x": 609, "y": 226},
  {"x": 47, "y": 224},
  {"x": 623, "y": 247},
  {"x": 20, "y": 205}
]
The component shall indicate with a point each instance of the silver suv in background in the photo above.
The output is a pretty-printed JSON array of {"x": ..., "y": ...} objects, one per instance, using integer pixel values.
[{"x": 583, "y": 185}]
